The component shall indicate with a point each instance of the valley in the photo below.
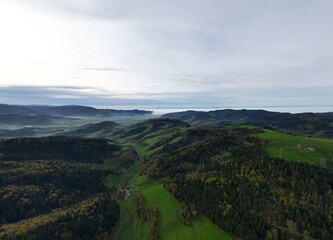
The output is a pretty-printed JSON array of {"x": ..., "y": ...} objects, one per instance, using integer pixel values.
[
  {"x": 169, "y": 224},
  {"x": 184, "y": 181}
]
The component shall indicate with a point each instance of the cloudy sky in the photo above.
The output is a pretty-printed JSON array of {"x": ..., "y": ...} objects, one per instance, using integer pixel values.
[{"x": 167, "y": 53}]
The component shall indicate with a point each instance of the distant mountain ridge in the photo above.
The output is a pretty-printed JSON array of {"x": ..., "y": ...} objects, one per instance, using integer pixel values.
[
  {"x": 318, "y": 124},
  {"x": 67, "y": 111},
  {"x": 14, "y": 109},
  {"x": 30, "y": 120}
]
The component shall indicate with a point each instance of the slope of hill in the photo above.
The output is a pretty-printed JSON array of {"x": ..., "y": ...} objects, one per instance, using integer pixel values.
[
  {"x": 57, "y": 148},
  {"x": 92, "y": 130},
  {"x": 53, "y": 188},
  {"x": 29, "y": 132},
  {"x": 229, "y": 178},
  {"x": 151, "y": 135},
  {"x": 136, "y": 132},
  {"x": 92, "y": 219},
  {"x": 148, "y": 138},
  {"x": 226, "y": 175},
  {"x": 302, "y": 123},
  {"x": 142, "y": 129},
  {"x": 312, "y": 150}
]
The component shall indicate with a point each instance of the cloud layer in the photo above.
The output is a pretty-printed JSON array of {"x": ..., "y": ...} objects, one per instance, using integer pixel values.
[{"x": 168, "y": 53}]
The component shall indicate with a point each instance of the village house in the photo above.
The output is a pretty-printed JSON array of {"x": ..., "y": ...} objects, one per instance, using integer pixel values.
[{"x": 123, "y": 193}]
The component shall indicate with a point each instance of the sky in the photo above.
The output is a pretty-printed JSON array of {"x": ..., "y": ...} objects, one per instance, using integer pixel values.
[{"x": 167, "y": 53}]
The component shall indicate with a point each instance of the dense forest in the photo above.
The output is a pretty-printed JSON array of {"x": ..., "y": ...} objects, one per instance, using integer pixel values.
[
  {"x": 61, "y": 196},
  {"x": 89, "y": 219},
  {"x": 228, "y": 177},
  {"x": 315, "y": 124},
  {"x": 64, "y": 148},
  {"x": 32, "y": 188},
  {"x": 67, "y": 111}
]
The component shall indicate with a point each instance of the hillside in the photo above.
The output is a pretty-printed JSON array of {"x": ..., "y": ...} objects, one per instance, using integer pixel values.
[
  {"x": 228, "y": 177},
  {"x": 57, "y": 148},
  {"x": 312, "y": 150},
  {"x": 52, "y": 188},
  {"x": 301, "y": 123},
  {"x": 88, "y": 219},
  {"x": 91, "y": 130},
  {"x": 152, "y": 126},
  {"x": 148, "y": 138},
  {"x": 29, "y": 132}
]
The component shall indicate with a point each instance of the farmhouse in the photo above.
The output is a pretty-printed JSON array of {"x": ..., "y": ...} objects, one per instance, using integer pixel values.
[
  {"x": 304, "y": 147},
  {"x": 123, "y": 193}
]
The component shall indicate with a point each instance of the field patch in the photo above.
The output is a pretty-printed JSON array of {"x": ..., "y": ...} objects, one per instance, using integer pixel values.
[
  {"x": 297, "y": 148},
  {"x": 169, "y": 223}
]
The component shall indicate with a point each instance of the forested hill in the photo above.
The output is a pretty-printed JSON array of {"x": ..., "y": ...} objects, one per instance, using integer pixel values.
[
  {"x": 53, "y": 188},
  {"x": 316, "y": 124},
  {"x": 151, "y": 126},
  {"x": 228, "y": 177},
  {"x": 57, "y": 148},
  {"x": 67, "y": 111},
  {"x": 92, "y": 128}
]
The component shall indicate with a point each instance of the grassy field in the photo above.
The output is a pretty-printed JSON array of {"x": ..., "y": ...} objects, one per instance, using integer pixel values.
[
  {"x": 147, "y": 148},
  {"x": 113, "y": 180},
  {"x": 311, "y": 150},
  {"x": 170, "y": 226},
  {"x": 169, "y": 223},
  {"x": 151, "y": 138}
]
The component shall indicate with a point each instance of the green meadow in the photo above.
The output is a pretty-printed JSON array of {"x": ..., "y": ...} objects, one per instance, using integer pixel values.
[
  {"x": 169, "y": 222},
  {"x": 316, "y": 151},
  {"x": 130, "y": 226}
]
